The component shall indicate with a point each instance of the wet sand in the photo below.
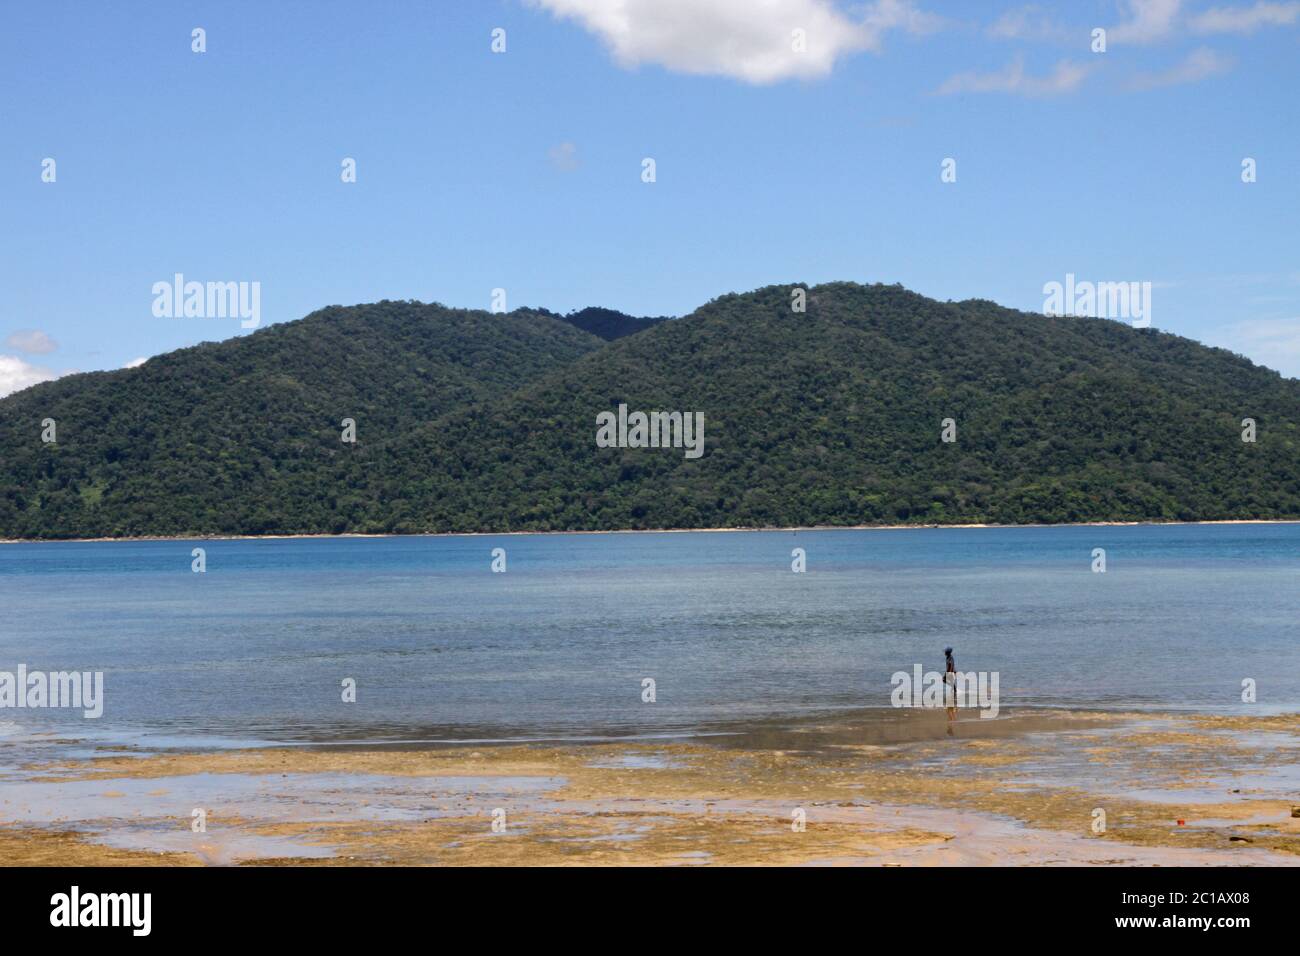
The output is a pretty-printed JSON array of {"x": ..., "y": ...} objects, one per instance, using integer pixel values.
[{"x": 886, "y": 788}]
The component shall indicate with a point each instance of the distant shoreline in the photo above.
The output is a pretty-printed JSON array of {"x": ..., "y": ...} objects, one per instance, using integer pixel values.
[{"x": 499, "y": 534}]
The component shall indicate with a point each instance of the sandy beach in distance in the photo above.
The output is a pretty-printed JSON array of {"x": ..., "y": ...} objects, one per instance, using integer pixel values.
[
  {"x": 492, "y": 534},
  {"x": 877, "y": 787}
]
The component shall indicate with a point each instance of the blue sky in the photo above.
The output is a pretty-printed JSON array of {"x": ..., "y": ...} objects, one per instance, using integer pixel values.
[{"x": 522, "y": 170}]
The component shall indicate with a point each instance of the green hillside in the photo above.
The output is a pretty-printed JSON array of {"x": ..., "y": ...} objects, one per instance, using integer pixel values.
[
  {"x": 475, "y": 422},
  {"x": 242, "y": 434}
]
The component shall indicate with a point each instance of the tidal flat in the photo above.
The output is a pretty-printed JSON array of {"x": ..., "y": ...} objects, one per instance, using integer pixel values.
[{"x": 870, "y": 787}]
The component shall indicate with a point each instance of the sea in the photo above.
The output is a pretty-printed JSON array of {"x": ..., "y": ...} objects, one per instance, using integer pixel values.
[{"x": 417, "y": 639}]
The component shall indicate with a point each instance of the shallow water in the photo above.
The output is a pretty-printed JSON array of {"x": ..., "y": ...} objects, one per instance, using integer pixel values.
[{"x": 441, "y": 648}]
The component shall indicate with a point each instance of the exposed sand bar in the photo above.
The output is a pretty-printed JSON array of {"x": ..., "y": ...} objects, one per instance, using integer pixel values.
[{"x": 874, "y": 789}]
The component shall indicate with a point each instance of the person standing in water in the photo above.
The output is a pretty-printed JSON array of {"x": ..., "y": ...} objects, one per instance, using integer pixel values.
[{"x": 950, "y": 687}]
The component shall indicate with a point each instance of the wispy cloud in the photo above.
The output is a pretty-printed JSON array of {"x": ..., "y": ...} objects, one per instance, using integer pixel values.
[
  {"x": 1029, "y": 23},
  {"x": 564, "y": 157},
  {"x": 1065, "y": 78},
  {"x": 754, "y": 42},
  {"x": 1151, "y": 21},
  {"x": 1198, "y": 65},
  {"x": 1252, "y": 278},
  {"x": 1271, "y": 342},
  {"x": 136, "y": 362},
  {"x": 31, "y": 342},
  {"x": 885, "y": 15},
  {"x": 1146, "y": 21},
  {"x": 1246, "y": 19}
]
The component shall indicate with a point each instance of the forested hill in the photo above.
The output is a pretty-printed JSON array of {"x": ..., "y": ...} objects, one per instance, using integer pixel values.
[
  {"x": 474, "y": 422},
  {"x": 220, "y": 435},
  {"x": 609, "y": 324}
]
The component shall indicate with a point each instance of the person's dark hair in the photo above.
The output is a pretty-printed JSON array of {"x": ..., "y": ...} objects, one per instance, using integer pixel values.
[{"x": 947, "y": 652}]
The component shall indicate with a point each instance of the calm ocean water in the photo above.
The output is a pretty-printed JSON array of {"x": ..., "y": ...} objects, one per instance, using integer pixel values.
[{"x": 441, "y": 647}]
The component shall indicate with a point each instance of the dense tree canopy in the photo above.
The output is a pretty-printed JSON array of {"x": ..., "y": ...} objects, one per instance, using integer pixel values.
[
  {"x": 468, "y": 421},
  {"x": 606, "y": 323}
]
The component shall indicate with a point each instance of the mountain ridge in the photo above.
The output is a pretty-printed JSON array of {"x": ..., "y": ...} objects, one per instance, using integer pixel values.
[{"x": 827, "y": 418}]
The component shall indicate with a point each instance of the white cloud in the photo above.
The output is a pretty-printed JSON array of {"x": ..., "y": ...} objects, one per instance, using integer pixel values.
[
  {"x": 136, "y": 362},
  {"x": 564, "y": 157},
  {"x": 1065, "y": 78},
  {"x": 1147, "y": 21},
  {"x": 1246, "y": 19},
  {"x": 750, "y": 40},
  {"x": 31, "y": 341},
  {"x": 1198, "y": 65},
  {"x": 15, "y": 374}
]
